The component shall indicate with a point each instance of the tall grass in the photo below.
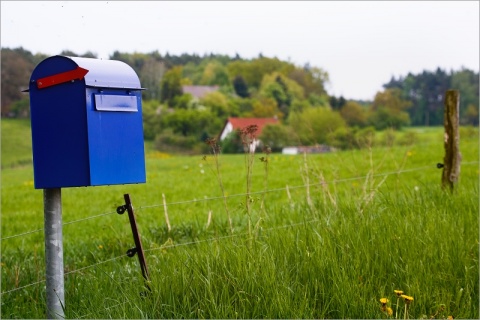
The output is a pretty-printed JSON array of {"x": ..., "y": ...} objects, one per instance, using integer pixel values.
[{"x": 378, "y": 221}]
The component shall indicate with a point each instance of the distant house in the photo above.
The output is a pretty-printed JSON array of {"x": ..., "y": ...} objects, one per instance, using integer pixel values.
[
  {"x": 234, "y": 124},
  {"x": 199, "y": 91}
]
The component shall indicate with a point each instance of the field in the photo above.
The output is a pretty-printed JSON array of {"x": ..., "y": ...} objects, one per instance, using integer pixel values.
[{"x": 315, "y": 236}]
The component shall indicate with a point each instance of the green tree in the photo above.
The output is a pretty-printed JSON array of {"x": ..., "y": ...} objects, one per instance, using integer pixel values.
[
  {"x": 466, "y": 82},
  {"x": 151, "y": 119},
  {"x": 171, "y": 85},
  {"x": 388, "y": 110},
  {"x": 192, "y": 122},
  {"x": 214, "y": 73},
  {"x": 151, "y": 75},
  {"x": 265, "y": 108},
  {"x": 240, "y": 87},
  {"x": 312, "y": 126},
  {"x": 282, "y": 89},
  {"x": 253, "y": 71},
  {"x": 217, "y": 102},
  {"x": 16, "y": 67},
  {"x": 354, "y": 114},
  {"x": 276, "y": 136},
  {"x": 312, "y": 80},
  {"x": 471, "y": 115}
]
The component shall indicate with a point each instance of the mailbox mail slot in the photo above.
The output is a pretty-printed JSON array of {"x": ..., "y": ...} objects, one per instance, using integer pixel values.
[
  {"x": 87, "y": 126},
  {"x": 108, "y": 102}
]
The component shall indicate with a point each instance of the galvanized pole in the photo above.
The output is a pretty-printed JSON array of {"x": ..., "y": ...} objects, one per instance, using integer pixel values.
[{"x": 52, "y": 203}]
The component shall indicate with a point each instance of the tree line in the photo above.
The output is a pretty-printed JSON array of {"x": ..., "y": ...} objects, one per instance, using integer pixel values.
[{"x": 259, "y": 87}]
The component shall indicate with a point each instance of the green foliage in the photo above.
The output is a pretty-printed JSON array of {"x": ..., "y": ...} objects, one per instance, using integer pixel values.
[
  {"x": 313, "y": 125},
  {"x": 171, "y": 85},
  {"x": 232, "y": 143},
  {"x": 342, "y": 138},
  {"x": 169, "y": 142},
  {"x": 184, "y": 101},
  {"x": 265, "y": 108},
  {"x": 151, "y": 118},
  {"x": 282, "y": 89},
  {"x": 17, "y": 65},
  {"x": 192, "y": 122},
  {"x": 426, "y": 91},
  {"x": 241, "y": 87},
  {"x": 214, "y": 73},
  {"x": 312, "y": 80},
  {"x": 471, "y": 115},
  {"x": 253, "y": 71},
  {"x": 388, "y": 110},
  {"x": 387, "y": 118},
  {"x": 276, "y": 136},
  {"x": 354, "y": 114},
  {"x": 217, "y": 103},
  {"x": 21, "y": 108}
]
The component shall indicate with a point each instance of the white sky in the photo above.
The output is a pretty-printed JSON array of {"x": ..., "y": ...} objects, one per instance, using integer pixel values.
[{"x": 361, "y": 44}]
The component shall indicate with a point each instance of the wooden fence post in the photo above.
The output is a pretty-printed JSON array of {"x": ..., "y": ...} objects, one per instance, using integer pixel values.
[{"x": 452, "y": 159}]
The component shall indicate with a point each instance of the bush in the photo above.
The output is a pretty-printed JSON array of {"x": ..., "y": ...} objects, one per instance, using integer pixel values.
[
  {"x": 169, "y": 142},
  {"x": 232, "y": 143},
  {"x": 342, "y": 138}
]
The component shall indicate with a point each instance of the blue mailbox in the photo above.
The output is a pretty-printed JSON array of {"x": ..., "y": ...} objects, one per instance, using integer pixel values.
[{"x": 86, "y": 117}]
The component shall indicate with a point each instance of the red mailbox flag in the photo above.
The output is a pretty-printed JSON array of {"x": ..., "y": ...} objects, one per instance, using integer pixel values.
[{"x": 58, "y": 78}]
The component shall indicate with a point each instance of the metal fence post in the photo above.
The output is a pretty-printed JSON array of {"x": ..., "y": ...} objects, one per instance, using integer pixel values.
[{"x": 52, "y": 203}]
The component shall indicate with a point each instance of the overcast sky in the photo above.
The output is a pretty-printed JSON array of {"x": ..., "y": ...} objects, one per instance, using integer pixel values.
[{"x": 360, "y": 44}]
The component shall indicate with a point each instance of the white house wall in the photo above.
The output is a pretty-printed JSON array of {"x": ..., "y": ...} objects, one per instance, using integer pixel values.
[{"x": 228, "y": 128}]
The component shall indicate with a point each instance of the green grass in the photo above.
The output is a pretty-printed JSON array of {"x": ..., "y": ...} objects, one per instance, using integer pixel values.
[{"x": 380, "y": 222}]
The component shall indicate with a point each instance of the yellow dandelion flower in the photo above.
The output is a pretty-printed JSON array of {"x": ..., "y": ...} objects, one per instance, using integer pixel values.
[
  {"x": 398, "y": 292},
  {"x": 100, "y": 246},
  {"x": 389, "y": 311},
  {"x": 450, "y": 318},
  {"x": 383, "y": 300},
  {"x": 408, "y": 299}
]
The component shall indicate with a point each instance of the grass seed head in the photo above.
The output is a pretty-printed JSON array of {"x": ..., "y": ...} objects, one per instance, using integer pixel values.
[{"x": 212, "y": 142}]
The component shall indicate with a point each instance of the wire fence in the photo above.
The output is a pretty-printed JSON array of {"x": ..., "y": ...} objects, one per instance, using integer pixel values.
[
  {"x": 283, "y": 189},
  {"x": 204, "y": 200}
]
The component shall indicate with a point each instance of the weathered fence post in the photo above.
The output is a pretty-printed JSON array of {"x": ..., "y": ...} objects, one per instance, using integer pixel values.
[
  {"x": 52, "y": 203},
  {"x": 452, "y": 159}
]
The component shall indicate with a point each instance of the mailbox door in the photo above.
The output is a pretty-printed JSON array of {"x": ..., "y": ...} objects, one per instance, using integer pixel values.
[{"x": 115, "y": 136}]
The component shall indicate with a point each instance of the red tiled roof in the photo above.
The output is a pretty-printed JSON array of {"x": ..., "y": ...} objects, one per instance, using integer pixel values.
[{"x": 240, "y": 123}]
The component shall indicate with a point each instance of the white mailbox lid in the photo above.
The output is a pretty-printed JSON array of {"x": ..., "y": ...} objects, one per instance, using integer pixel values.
[{"x": 108, "y": 73}]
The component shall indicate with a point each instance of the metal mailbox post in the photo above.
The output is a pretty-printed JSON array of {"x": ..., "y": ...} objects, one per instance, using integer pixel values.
[{"x": 86, "y": 118}]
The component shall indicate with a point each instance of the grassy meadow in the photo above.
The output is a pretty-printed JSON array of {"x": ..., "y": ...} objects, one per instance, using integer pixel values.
[{"x": 317, "y": 236}]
